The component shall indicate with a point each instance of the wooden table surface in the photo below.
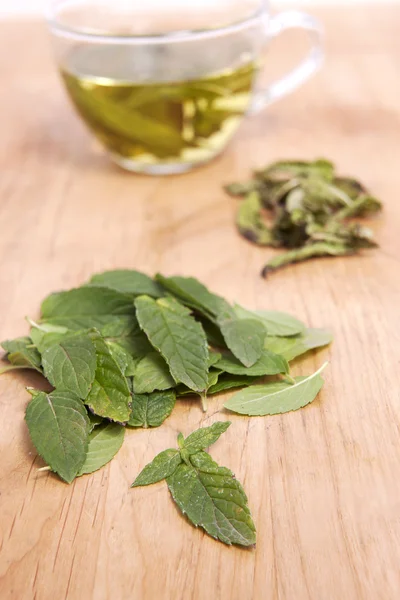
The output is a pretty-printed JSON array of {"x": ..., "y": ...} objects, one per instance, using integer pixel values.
[{"x": 323, "y": 482}]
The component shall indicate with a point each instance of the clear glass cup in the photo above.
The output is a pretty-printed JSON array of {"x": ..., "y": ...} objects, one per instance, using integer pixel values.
[{"x": 164, "y": 85}]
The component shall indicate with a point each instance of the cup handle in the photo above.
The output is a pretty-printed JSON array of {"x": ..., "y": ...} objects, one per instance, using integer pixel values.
[{"x": 291, "y": 19}]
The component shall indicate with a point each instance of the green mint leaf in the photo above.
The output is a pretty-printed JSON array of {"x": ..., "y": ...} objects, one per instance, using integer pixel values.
[
  {"x": 213, "y": 376},
  {"x": 104, "y": 443},
  {"x": 44, "y": 328},
  {"x": 43, "y": 335},
  {"x": 110, "y": 395},
  {"x": 85, "y": 307},
  {"x": 94, "y": 421},
  {"x": 128, "y": 281},
  {"x": 209, "y": 495},
  {"x": 152, "y": 373},
  {"x": 71, "y": 365},
  {"x": 205, "y": 437},
  {"x": 213, "y": 358},
  {"x": 244, "y": 338},
  {"x": 293, "y": 347},
  {"x": 275, "y": 322},
  {"x": 227, "y": 382},
  {"x": 129, "y": 381},
  {"x": 213, "y": 333},
  {"x": 268, "y": 364},
  {"x": 85, "y": 322},
  {"x": 276, "y": 398},
  {"x": 21, "y": 353},
  {"x": 213, "y": 499},
  {"x": 161, "y": 467},
  {"x": 127, "y": 333},
  {"x": 122, "y": 357},
  {"x": 59, "y": 428},
  {"x": 151, "y": 410},
  {"x": 194, "y": 294},
  {"x": 178, "y": 337}
]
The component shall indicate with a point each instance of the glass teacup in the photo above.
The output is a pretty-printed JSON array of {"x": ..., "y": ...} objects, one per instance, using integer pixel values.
[{"x": 165, "y": 85}]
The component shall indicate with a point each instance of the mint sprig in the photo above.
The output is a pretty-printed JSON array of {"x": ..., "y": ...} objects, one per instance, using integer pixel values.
[{"x": 209, "y": 495}]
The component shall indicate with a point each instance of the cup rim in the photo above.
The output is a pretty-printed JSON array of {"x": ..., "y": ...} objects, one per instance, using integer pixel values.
[{"x": 183, "y": 35}]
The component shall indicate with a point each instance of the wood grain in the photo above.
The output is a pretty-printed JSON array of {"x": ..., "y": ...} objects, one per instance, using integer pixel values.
[{"x": 323, "y": 482}]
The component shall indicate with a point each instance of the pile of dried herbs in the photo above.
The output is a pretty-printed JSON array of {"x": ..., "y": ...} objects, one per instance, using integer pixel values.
[
  {"x": 306, "y": 208},
  {"x": 120, "y": 350}
]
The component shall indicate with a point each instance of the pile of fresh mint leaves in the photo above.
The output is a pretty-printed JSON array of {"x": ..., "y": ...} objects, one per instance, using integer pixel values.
[
  {"x": 305, "y": 207},
  {"x": 121, "y": 349}
]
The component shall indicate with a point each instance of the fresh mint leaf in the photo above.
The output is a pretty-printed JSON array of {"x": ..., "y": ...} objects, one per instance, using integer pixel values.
[
  {"x": 213, "y": 499},
  {"x": 276, "y": 398},
  {"x": 292, "y": 347},
  {"x": 128, "y": 282},
  {"x": 71, "y": 365},
  {"x": 121, "y": 329},
  {"x": 104, "y": 443},
  {"x": 127, "y": 333},
  {"x": 268, "y": 364},
  {"x": 161, "y": 467},
  {"x": 227, "y": 381},
  {"x": 152, "y": 373},
  {"x": 118, "y": 327},
  {"x": 94, "y": 421},
  {"x": 85, "y": 307},
  {"x": 59, "y": 428},
  {"x": 209, "y": 495},
  {"x": 213, "y": 333},
  {"x": 194, "y": 294},
  {"x": 151, "y": 410},
  {"x": 109, "y": 396},
  {"x": 178, "y": 337},
  {"x": 122, "y": 357},
  {"x": 205, "y": 437},
  {"x": 43, "y": 335},
  {"x": 275, "y": 322},
  {"x": 21, "y": 353},
  {"x": 213, "y": 375},
  {"x": 213, "y": 358},
  {"x": 244, "y": 338}
]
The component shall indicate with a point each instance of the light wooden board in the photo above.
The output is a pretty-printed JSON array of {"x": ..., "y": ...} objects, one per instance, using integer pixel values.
[{"x": 323, "y": 482}]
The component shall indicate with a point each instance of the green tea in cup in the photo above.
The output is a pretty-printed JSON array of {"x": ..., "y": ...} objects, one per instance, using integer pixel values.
[{"x": 165, "y": 86}]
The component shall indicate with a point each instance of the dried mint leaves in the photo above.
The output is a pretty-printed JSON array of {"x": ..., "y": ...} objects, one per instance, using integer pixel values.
[{"x": 306, "y": 208}]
